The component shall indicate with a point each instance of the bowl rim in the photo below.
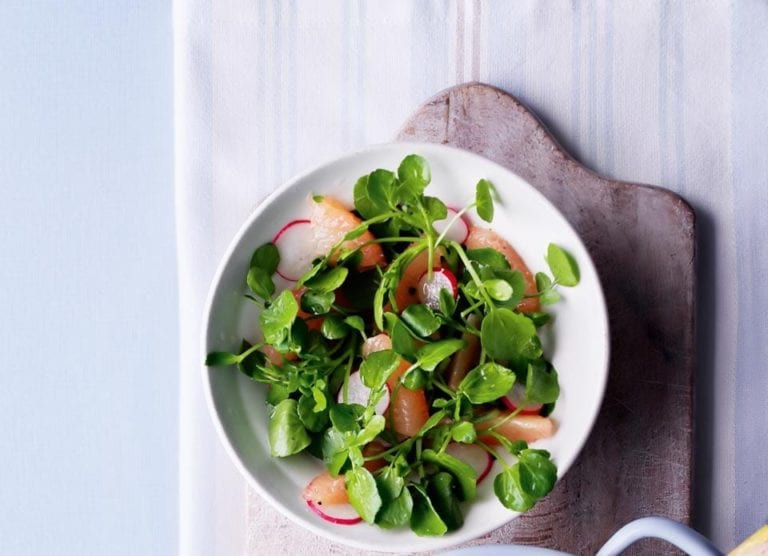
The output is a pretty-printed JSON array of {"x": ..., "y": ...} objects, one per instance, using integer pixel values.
[{"x": 440, "y": 543}]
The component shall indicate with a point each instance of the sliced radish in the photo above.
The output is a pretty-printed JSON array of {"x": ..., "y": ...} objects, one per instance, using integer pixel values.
[
  {"x": 473, "y": 455},
  {"x": 429, "y": 290},
  {"x": 294, "y": 243},
  {"x": 358, "y": 393},
  {"x": 516, "y": 398},
  {"x": 459, "y": 230},
  {"x": 340, "y": 514}
]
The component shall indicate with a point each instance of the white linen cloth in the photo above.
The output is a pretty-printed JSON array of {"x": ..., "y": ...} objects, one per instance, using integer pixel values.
[{"x": 668, "y": 93}]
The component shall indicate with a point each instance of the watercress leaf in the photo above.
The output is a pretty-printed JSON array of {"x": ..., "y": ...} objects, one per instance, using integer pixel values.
[
  {"x": 432, "y": 422},
  {"x": 314, "y": 421},
  {"x": 543, "y": 281},
  {"x": 363, "y": 494},
  {"x": 410, "y": 218},
  {"x": 464, "y": 432},
  {"x": 509, "y": 491},
  {"x": 431, "y": 355},
  {"x": 472, "y": 291},
  {"x": 488, "y": 256},
  {"x": 416, "y": 169},
  {"x": 299, "y": 336},
  {"x": 421, "y": 319},
  {"x": 266, "y": 257},
  {"x": 372, "y": 429},
  {"x": 484, "y": 200},
  {"x": 507, "y": 335},
  {"x": 376, "y": 368},
  {"x": 500, "y": 290},
  {"x": 317, "y": 303},
  {"x": 356, "y": 456},
  {"x": 319, "y": 397},
  {"x": 440, "y": 402},
  {"x": 221, "y": 358},
  {"x": 378, "y": 307},
  {"x": 364, "y": 203},
  {"x": 276, "y": 320},
  {"x": 260, "y": 282},
  {"x": 435, "y": 208},
  {"x": 516, "y": 280},
  {"x": 414, "y": 379},
  {"x": 318, "y": 266},
  {"x": 277, "y": 393},
  {"x": 549, "y": 297},
  {"x": 397, "y": 504},
  {"x": 381, "y": 188},
  {"x": 487, "y": 383},
  {"x": 287, "y": 435},
  {"x": 397, "y": 512},
  {"x": 333, "y": 328},
  {"x": 447, "y": 302},
  {"x": 335, "y": 451},
  {"x": 441, "y": 491},
  {"x": 425, "y": 521},
  {"x": 463, "y": 472},
  {"x": 563, "y": 266},
  {"x": 539, "y": 318},
  {"x": 328, "y": 281},
  {"x": 541, "y": 384},
  {"x": 390, "y": 484},
  {"x": 402, "y": 341},
  {"x": 355, "y": 322},
  {"x": 362, "y": 200},
  {"x": 344, "y": 417},
  {"x": 541, "y": 473},
  {"x": 547, "y": 294}
]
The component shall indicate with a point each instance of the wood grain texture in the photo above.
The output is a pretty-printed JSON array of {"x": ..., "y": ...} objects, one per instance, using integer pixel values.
[{"x": 638, "y": 460}]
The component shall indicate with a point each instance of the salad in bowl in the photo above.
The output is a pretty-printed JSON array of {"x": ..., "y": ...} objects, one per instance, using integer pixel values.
[{"x": 402, "y": 349}]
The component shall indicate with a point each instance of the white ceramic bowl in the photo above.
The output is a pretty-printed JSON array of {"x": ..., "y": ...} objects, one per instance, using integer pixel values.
[{"x": 577, "y": 344}]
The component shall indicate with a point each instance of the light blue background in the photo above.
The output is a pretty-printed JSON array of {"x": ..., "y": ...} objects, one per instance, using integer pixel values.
[{"x": 88, "y": 399}]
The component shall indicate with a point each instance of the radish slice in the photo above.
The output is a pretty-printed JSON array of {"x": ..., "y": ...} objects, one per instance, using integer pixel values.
[
  {"x": 516, "y": 397},
  {"x": 429, "y": 290},
  {"x": 358, "y": 393},
  {"x": 293, "y": 241},
  {"x": 340, "y": 514},
  {"x": 480, "y": 460},
  {"x": 459, "y": 230}
]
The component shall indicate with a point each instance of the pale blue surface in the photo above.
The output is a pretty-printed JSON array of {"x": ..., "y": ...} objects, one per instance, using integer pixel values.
[{"x": 88, "y": 279}]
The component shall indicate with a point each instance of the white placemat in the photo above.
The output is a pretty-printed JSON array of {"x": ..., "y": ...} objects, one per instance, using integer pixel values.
[{"x": 670, "y": 93}]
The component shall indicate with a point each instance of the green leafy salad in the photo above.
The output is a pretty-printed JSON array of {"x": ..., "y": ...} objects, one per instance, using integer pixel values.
[{"x": 401, "y": 348}]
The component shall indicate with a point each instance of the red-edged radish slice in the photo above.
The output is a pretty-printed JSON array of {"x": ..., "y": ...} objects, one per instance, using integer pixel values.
[
  {"x": 294, "y": 243},
  {"x": 358, "y": 393},
  {"x": 458, "y": 231},
  {"x": 339, "y": 514},
  {"x": 473, "y": 455},
  {"x": 516, "y": 398},
  {"x": 429, "y": 290}
]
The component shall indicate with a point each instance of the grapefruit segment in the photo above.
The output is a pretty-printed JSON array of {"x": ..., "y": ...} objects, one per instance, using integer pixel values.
[{"x": 331, "y": 221}]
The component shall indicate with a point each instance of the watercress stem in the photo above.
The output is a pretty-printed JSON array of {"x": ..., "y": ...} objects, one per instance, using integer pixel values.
[
  {"x": 452, "y": 221},
  {"x": 471, "y": 269},
  {"x": 494, "y": 454},
  {"x": 506, "y": 418}
]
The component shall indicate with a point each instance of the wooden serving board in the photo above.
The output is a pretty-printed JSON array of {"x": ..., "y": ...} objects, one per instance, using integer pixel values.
[{"x": 638, "y": 460}]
